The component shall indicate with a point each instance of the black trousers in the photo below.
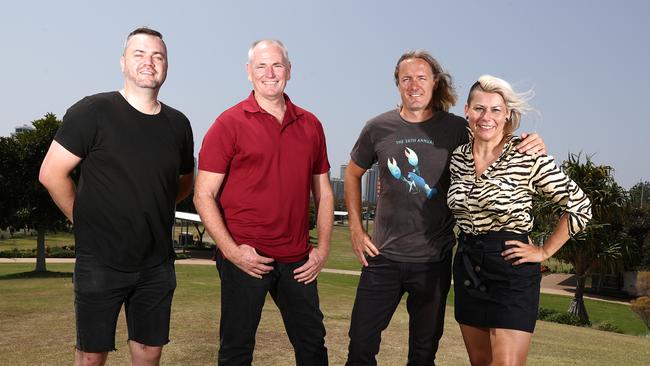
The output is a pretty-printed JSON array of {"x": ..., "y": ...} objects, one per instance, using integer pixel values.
[
  {"x": 242, "y": 300},
  {"x": 380, "y": 290}
]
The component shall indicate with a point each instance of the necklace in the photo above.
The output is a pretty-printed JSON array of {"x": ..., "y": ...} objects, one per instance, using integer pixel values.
[{"x": 156, "y": 109}]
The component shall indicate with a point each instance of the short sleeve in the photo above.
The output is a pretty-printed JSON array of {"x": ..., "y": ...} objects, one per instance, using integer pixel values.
[
  {"x": 549, "y": 181},
  {"x": 363, "y": 153},
  {"x": 187, "y": 158},
  {"x": 218, "y": 147},
  {"x": 78, "y": 130},
  {"x": 321, "y": 163}
]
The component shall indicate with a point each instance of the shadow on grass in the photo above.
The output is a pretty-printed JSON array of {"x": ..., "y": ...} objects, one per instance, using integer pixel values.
[{"x": 34, "y": 274}]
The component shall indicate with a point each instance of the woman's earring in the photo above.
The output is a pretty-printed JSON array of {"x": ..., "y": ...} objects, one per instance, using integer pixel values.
[{"x": 467, "y": 118}]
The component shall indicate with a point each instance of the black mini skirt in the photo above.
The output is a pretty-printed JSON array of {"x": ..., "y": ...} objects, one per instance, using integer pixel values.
[{"x": 489, "y": 291}]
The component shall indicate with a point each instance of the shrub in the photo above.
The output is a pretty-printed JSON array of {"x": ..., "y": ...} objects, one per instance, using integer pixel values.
[
  {"x": 182, "y": 256},
  {"x": 560, "y": 317},
  {"x": 554, "y": 265},
  {"x": 607, "y": 326},
  {"x": 545, "y": 313},
  {"x": 566, "y": 318},
  {"x": 60, "y": 252},
  {"x": 641, "y": 307},
  {"x": 13, "y": 253},
  {"x": 643, "y": 283},
  {"x": 50, "y": 252}
]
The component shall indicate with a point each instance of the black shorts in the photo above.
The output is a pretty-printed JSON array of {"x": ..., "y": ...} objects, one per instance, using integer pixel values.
[{"x": 100, "y": 292}]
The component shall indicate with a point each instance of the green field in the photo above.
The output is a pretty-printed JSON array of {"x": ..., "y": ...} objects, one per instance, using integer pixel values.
[
  {"x": 37, "y": 326},
  {"x": 25, "y": 241},
  {"x": 38, "y": 321}
]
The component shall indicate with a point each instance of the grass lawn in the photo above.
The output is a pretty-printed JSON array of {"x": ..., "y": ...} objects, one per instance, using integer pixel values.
[
  {"x": 37, "y": 326},
  {"x": 24, "y": 241},
  {"x": 600, "y": 311}
]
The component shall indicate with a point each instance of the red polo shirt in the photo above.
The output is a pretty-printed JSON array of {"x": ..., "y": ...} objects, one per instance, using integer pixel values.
[{"x": 269, "y": 168}]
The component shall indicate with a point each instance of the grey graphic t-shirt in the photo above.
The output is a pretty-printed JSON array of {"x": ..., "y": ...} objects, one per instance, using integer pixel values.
[{"x": 412, "y": 222}]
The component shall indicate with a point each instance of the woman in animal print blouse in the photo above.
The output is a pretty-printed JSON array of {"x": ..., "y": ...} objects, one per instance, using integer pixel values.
[{"x": 496, "y": 268}]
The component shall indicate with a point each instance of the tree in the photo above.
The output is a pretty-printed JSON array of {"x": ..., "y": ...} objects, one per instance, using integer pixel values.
[
  {"x": 602, "y": 243},
  {"x": 637, "y": 226},
  {"x": 33, "y": 206},
  {"x": 640, "y": 194},
  {"x": 8, "y": 180}
]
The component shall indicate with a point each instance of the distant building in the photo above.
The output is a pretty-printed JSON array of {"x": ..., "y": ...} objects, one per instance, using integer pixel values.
[
  {"x": 342, "y": 173},
  {"x": 337, "y": 187},
  {"x": 21, "y": 129},
  {"x": 369, "y": 184}
]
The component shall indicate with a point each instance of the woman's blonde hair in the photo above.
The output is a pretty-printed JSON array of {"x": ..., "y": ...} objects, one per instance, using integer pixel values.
[{"x": 516, "y": 103}]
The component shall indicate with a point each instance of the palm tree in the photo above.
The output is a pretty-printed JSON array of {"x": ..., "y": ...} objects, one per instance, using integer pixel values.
[{"x": 603, "y": 241}]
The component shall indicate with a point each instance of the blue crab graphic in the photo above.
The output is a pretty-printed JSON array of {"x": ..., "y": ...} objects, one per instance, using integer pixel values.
[{"x": 413, "y": 179}]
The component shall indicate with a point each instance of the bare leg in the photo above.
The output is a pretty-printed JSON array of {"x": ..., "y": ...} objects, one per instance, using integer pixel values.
[
  {"x": 477, "y": 342},
  {"x": 82, "y": 358},
  {"x": 509, "y": 346},
  {"x": 143, "y": 355}
]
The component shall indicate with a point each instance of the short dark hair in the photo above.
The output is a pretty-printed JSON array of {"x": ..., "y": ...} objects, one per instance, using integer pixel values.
[
  {"x": 145, "y": 30},
  {"x": 444, "y": 96}
]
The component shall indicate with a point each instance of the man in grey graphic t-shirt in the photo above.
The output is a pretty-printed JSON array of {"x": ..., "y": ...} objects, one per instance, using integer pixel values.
[{"x": 410, "y": 250}]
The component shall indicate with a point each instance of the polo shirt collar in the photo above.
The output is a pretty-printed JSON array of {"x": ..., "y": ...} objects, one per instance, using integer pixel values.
[{"x": 292, "y": 113}]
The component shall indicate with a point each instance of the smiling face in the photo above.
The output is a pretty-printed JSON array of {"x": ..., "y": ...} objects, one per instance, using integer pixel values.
[
  {"x": 268, "y": 70},
  {"x": 144, "y": 63},
  {"x": 487, "y": 114},
  {"x": 416, "y": 82}
]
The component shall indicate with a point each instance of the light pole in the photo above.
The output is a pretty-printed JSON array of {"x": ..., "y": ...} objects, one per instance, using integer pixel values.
[{"x": 642, "y": 187}]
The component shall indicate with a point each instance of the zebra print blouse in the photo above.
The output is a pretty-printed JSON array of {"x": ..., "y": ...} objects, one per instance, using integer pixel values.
[{"x": 501, "y": 198}]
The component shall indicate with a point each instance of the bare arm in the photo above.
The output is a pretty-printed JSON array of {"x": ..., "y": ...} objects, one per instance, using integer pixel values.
[
  {"x": 524, "y": 252},
  {"x": 185, "y": 183},
  {"x": 324, "y": 201},
  {"x": 243, "y": 256},
  {"x": 55, "y": 177},
  {"x": 361, "y": 242}
]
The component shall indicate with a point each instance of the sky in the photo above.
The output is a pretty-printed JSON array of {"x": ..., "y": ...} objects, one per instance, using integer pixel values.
[{"x": 587, "y": 62}]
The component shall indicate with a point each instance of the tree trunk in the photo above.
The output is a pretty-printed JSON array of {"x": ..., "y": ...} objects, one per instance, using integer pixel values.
[
  {"x": 577, "y": 306},
  {"x": 200, "y": 233},
  {"x": 40, "y": 250}
]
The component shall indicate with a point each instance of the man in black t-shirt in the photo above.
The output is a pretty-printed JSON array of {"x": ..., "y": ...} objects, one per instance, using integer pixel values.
[
  {"x": 410, "y": 251},
  {"x": 135, "y": 156}
]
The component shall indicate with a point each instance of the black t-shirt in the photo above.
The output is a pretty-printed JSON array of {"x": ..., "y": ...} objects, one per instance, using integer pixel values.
[
  {"x": 412, "y": 223},
  {"x": 131, "y": 162}
]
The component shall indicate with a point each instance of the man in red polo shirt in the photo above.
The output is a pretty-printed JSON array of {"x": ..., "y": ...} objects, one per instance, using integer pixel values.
[{"x": 258, "y": 163}]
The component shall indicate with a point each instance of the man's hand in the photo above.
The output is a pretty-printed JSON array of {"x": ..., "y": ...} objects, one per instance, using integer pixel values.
[
  {"x": 308, "y": 272},
  {"x": 246, "y": 258},
  {"x": 532, "y": 144},
  {"x": 361, "y": 245}
]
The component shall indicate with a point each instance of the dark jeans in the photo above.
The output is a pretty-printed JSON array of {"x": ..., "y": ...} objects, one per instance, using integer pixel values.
[
  {"x": 242, "y": 300},
  {"x": 380, "y": 290}
]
